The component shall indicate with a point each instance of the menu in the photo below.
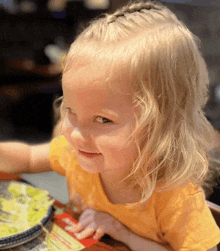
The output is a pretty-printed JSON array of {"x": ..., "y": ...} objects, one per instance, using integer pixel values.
[{"x": 56, "y": 237}]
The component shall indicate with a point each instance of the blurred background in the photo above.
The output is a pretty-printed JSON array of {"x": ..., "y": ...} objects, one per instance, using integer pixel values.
[{"x": 36, "y": 34}]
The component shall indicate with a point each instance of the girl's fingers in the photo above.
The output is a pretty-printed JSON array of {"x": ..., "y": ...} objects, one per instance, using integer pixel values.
[
  {"x": 85, "y": 214},
  {"x": 84, "y": 234},
  {"x": 77, "y": 228},
  {"x": 99, "y": 233},
  {"x": 83, "y": 222}
]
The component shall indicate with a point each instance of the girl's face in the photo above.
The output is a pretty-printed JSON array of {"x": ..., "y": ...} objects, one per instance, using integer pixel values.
[{"x": 99, "y": 120}]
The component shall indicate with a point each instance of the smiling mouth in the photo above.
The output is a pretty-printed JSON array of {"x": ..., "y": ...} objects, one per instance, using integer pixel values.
[{"x": 89, "y": 155}]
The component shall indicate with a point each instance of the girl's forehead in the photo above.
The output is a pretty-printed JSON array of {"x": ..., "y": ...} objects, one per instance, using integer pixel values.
[
  {"x": 91, "y": 80},
  {"x": 97, "y": 74}
]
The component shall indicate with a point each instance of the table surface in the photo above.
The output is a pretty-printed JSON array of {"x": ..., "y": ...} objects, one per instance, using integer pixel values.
[{"x": 105, "y": 244}]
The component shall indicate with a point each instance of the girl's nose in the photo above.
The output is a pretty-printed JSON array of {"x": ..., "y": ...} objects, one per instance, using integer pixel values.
[
  {"x": 79, "y": 137},
  {"x": 74, "y": 133}
]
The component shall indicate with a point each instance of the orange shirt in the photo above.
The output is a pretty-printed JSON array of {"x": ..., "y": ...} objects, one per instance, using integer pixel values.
[{"x": 179, "y": 217}]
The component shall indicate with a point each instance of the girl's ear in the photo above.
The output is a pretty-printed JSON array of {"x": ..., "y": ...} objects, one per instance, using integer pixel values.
[
  {"x": 57, "y": 129},
  {"x": 57, "y": 116}
]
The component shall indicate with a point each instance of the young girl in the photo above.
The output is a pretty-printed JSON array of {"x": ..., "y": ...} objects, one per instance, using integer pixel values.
[{"x": 133, "y": 140}]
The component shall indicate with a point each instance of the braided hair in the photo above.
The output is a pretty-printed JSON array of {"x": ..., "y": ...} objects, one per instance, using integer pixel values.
[{"x": 132, "y": 8}]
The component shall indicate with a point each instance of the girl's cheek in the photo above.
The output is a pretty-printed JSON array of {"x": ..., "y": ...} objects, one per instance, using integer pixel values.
[
  {"x": 67, "y": 128},
  {"x": 111, "y": 142},
  {"x": 118, "y": 139},
  {"x": 66, "y": 124}
]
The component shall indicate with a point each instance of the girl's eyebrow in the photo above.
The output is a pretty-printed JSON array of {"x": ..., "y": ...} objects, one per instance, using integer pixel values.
[
  {"x": 107, "y": 111},
  {"x": 111, "y": 113}
]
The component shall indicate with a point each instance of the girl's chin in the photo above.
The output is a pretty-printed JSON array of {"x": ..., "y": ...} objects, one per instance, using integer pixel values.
[
  {"x": 89, "y": 170},
  {"x": 88, "y": 165}
]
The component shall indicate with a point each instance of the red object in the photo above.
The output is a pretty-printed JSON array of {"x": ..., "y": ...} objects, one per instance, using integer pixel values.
[
  {"x": 8, "y": 176},
  {"x": 60, "y": 221}
]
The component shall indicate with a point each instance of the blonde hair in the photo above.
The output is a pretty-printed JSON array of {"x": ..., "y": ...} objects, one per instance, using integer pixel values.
[{"x": 170, "y": 86}]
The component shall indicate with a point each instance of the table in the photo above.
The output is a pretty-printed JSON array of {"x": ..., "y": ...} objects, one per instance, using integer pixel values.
[{"x": 106, "y": 243}]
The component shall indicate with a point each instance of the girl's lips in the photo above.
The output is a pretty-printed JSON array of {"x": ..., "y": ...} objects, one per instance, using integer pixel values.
[{"x": 89, "y": 155}]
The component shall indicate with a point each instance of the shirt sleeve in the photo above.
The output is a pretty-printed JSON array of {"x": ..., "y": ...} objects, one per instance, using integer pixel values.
[
  {"x": 186, "y": 222},
  {"x": 56, "y": 155}
]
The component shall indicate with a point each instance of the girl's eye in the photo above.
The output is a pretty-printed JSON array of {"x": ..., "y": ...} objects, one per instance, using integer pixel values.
[
  {"x": 100, "y": 119},
  {"x": 103, "y": 120}
]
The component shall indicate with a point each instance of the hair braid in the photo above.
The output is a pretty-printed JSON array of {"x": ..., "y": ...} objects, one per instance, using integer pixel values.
[{"x": 132, "y": 8}]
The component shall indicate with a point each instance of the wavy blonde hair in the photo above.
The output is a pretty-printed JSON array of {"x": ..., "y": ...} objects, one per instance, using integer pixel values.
[{"x": 170, "y": 86}]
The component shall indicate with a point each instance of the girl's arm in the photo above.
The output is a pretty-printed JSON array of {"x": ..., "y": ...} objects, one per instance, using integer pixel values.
[
  {"x": 97, "y": 223},
  {"x": 39, "y": 158},
  {"x": 137, "y": 243},
  {"x": 100, "y": 223},
  {"x": 17, "y": 158}
]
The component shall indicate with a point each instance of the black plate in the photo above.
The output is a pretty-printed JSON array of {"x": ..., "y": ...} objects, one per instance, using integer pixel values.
[{"x": 27, "y": 235}]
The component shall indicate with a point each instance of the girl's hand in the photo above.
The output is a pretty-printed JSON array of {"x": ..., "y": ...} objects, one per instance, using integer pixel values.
[{"x": 99, "y": 223}]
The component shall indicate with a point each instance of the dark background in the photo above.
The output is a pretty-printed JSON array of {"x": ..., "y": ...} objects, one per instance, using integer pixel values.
[
  {"x": 30, "y": 79},
  {"x": 27, "y": 85}
]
